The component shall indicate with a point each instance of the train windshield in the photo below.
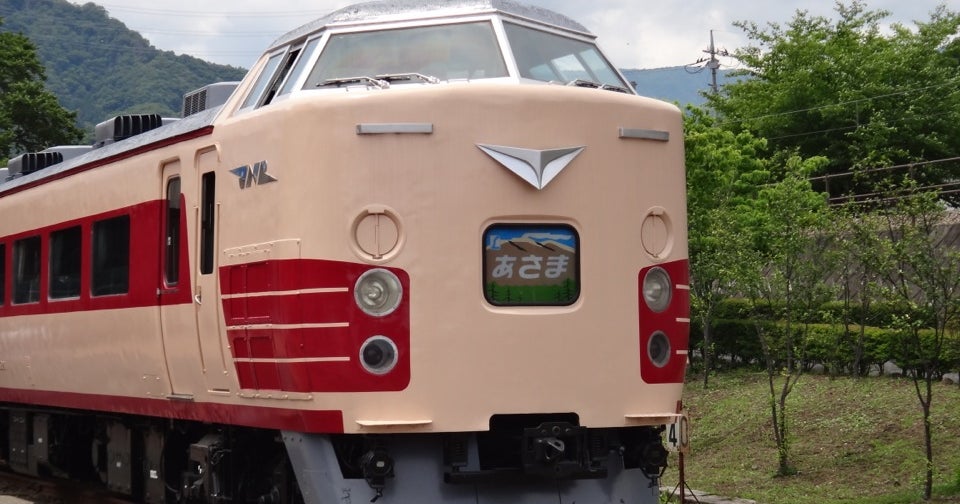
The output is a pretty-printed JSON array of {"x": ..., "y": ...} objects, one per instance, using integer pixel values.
[
  {"x": 552, "y": 58},
  {"x": 427, "y": 53}
]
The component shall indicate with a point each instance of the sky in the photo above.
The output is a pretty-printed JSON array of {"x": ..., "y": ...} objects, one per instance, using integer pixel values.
[{"x": 633, "y": 33}]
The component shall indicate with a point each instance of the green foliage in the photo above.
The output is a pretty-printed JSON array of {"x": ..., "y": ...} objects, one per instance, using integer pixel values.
[
  {"x": 101, "y": 69},
  {"x": 825, "y": 341},
  {"x": 30, "y": 116},
  {"x": 843, "y": 89},
  {"x": 718, "y": 162},
  {"x": 828, "y": 97}
]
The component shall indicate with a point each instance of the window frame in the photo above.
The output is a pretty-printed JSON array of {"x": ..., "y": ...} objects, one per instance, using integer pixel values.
[
  {"x": 99, "y": 270},
  {"x": 208, "y": 224},
  {"x": 172, "y": 233},
  {"x": 59, "y": 253},
  {"x": 33, "y": 296}
]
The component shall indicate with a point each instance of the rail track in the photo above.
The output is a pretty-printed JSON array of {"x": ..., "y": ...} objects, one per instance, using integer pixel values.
[{"x": 19, "y": 489}]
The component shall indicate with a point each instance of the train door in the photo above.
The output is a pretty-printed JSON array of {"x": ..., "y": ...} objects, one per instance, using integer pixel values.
[
  {"x": 207, "y": 299},
  {"x": 177, "y": 321}
]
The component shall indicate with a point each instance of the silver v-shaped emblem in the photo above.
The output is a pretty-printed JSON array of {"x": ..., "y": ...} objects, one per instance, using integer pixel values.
[{"x": 538, "y": 167}]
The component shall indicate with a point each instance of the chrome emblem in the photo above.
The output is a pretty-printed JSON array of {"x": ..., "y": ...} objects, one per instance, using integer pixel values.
[
  {"x": 257, "y": 175},
  {"x": 538, "y": 167}
]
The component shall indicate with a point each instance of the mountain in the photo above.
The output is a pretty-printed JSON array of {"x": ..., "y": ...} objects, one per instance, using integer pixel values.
[
  {"x": 100, "y": 68},
  {"x": 675, "y": 84}
]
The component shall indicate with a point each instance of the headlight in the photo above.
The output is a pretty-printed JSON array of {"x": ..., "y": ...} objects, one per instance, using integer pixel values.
[
  {"x": 378, "y": 292},
  {"x": 378, "y": 355},
  {"x": 658, "y": 349},
  {"x": 657, "y": 289}
]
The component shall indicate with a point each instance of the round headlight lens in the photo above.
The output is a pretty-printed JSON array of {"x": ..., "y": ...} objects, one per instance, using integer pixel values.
[
  {"x": 378, "y": 355},
  {"x": 657, "y": 290},
  {"x": 658, "y": 349},
  {"x": 378, "y": 292}
]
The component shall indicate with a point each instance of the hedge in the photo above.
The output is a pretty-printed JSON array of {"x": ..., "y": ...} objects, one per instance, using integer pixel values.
[
  {"x": 878, "y": 314},
  {"x": 736, "y": 340}
]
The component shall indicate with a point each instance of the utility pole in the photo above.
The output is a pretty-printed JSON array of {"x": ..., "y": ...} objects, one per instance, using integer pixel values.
[{"x": 713, "y": 63}]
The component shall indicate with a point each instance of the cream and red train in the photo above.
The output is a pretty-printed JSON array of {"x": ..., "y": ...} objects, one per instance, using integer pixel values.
[{"x": 424, "y": 252}]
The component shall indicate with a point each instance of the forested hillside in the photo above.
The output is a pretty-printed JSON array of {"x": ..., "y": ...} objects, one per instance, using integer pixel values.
[
  {"x": 674, "y": 84},
  {"x": 99, "y": 68}
]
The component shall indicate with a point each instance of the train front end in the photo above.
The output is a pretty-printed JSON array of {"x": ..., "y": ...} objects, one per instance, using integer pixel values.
[{"x": 461, "y": 233}]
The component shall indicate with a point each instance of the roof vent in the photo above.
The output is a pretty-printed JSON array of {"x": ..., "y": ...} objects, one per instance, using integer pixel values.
[
  {"x": 207, "y": 97},
  {"x": 125, "y": 126},
  {"x": 69, "y": 151},
  {"x": 26, "y": 164}
]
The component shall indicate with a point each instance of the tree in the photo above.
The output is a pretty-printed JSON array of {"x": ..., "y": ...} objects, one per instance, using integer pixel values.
[
  {"x": 924, "y": 273},
  {"x": 861, "y": 255},
  {"x": 721, "y": 168},
  {"x": 844, "y": 90},
  {"x": 31, "y": 119},
  {"x": 784, "y": 275}
]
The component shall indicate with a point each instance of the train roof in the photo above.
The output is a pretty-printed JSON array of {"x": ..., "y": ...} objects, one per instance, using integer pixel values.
[
  {"x": 383, "y": 11},
  {"x": 94, "y": 156}
]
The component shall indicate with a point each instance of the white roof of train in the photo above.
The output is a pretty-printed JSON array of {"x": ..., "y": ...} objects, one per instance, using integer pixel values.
[{"x": 399, "y": 10}]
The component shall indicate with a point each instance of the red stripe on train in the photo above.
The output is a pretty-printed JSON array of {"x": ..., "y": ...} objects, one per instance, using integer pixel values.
[
  {"x": 320, "y": 421},
  {"x": 144, "y": 269},
  {"x": 293, "y": 325}
]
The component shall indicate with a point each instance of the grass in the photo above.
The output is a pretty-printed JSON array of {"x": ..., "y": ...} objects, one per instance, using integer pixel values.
[{"x": 851, "y": 441}]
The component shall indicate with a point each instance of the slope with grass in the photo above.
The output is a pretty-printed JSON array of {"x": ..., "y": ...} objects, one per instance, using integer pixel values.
[{"x": 852, "y": 441}]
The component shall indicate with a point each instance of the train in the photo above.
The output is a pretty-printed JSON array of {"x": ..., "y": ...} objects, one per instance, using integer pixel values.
[{"x": 423, "y": 252}]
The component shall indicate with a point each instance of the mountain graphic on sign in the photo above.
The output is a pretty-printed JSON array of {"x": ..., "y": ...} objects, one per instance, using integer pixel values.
[{"x": 529, "y": 245}]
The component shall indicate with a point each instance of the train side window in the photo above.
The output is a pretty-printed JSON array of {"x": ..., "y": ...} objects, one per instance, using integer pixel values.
[
  {"x": 263, "y": 80},
  {"x": 171, "y": 253},
  {"x": 301, "y": 66},
  {"x": 3, "y": 273},
  {"x": 111, "y": 256},
  {"x": 65, "y": 247},
  {"x": 207, "y": 217},
  {"x": 281, "y": 75},
  {"x": 26, "y": 270}
]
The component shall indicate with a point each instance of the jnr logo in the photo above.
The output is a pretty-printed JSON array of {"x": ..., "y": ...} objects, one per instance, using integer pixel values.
[{"x": 256, "y": 175}]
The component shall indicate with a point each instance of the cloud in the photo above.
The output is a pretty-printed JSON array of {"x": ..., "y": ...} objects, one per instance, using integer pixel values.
[{"x": 634, "y": 34}]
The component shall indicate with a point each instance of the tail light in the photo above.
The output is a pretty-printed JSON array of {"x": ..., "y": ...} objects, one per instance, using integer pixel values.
[{"x": 664, "y": 307}]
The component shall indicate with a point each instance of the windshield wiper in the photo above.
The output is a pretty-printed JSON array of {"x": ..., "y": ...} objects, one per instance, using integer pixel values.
[
  {"x": 619, "y": 89},
  {"x": 583, "y": 83},
  {"x": 429, "y": 79},
  {"x": 596, "y": 85},
  {"x": 370, "y": 81}
]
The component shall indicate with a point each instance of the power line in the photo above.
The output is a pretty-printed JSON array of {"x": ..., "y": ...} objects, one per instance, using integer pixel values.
[
  {"x": 227, "y": 13},
  {"x": 844, "y": 103},
  {"x": 943, "y": 188}
]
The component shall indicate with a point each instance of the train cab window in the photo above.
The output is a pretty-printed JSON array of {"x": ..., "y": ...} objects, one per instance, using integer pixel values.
[
  {"x": 300, "y": 67},
  {"x": 26, "y": 270},
  {"x": 207, "y": 221},
  {"x": 553, "y": 58},
  {"x": 65, "y": 263},
  {"x": 263, "y": 81},
  {"x": 420, "y": 54},
  {"x": 111, "y": 256},
  {"x": 171, "y": 246}
]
